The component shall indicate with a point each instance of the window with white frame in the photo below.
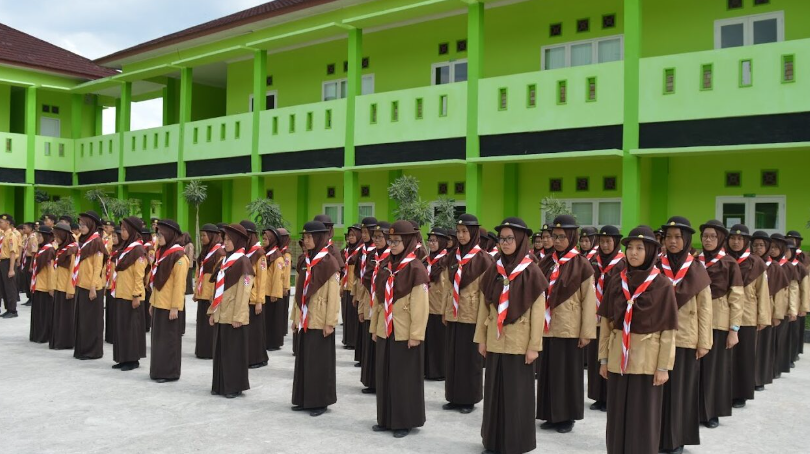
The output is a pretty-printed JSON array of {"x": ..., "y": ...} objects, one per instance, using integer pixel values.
[
  {"x": 579, "y": 53},
  {"x": 749, "y": 30},
  {"x": 765, "y": 213},
  {"x": 591, "y": 212},
  {"x": 335, "y": 212},
  {"x": 338, "y": 88},
  {"x": 448, "y": 72},
  {"x": 270, "y": 100}
]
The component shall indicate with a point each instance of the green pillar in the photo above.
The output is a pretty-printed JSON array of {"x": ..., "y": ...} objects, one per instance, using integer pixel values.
[
  {"x": 259, "y": 105},
  {"x": 227, "y": 201},
  {"x": 170, "y": 102},
  {"x": 99, "y": 115},
  {"x": 475, "y": 55},
  {"x": 302, "y": 213},
  {"x": 76, "y": 107},
  {"x": 631, "y": 174},
  {"x": 186, "y": 82},
  {"x": 393, "y": 206},
  {"x": 124, "y": 124},
  {"x": 351, "y": 187},
  {"x": 510, "y": 190},
  {"x": 29, "y": 209}
]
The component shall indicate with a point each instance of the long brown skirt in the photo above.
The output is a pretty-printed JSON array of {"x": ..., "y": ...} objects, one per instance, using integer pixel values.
[
  {"x": 508, "y": 422},
  {"x": 634, "y": 414},
  {"x": 41, "y": 318},
  {"x": 801, "y": 334},
  {"x": 314, "y": 375},
  {"x": 64, "y": 310},
  {"x": 146, "y": 305},
  {"x": 743, "y": 366},
  {"x": 715, "y": 379},
  {"x": 795, "y": 331},
  {"x": 400, "y": 385},
  {"x": 89, "y": 341},
  {"x": 368, "y": 368},
  {"x": 464, "y": 367},
  {"x": 597, "y": 386},
  {"x": 109, "y": 317},
  {"x": 781, "y": 357},
  {"x": 350, "y": 322},
  {"x": 130, "y": 338},
  {"x": 275, "y": 323},
  {"x": 230, "y": 359},
  {"x": 764, "y": 357},
  {"x": 256, "y": 343},
  {"x": 358, "y": 339},
  {"x": 680, "y": 419},
  {"x": 166, "y": 346},
  {"x": 561, "y": 384},
  {"x": 204, "y": 344},
  {"x": 8, "y": 287},
  {"x": 435, "y": 350}
]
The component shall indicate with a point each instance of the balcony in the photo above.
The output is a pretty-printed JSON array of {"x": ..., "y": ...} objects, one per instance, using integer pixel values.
[
  {"x": 315, "y": 126},
  {"x": 14, "y": 153},
  {"x": 53, "y": 153},
  {"x": 97, "y": 153},
  {"x": 221, "y": 137},
  {"x": 151, "y": 146}
]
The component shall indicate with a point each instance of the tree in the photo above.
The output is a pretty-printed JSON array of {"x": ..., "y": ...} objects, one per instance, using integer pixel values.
[
  {"x": 62, "y": 207},
  {"x": 444, "y": 214},
  {"x": 405, "y": 191},
  {"x": 98, "y": 195},
  {"x": 41, "y": 196},
  {"x": 266, "y": 213},
  {"x": 553, "y": 207},
  {"x": 195, "y": 194}
]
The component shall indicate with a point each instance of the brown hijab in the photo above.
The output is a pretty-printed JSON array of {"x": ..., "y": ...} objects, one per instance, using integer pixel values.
[
  {"x": 752, "y": 267},
  {"x": 46, "y": 257},
  {"x": 272, "y": 241},
  {"x": 696, "y": 278},
  {"x": 214, "y": 239},
  {"x": 526, "y": 287},
  {"x": 477, "y": 266},
  {"x": 65, "y": 252},
  {"x": 572, "y": 274},
  {"x": 96, "y": 246},
  {"x": 242, "y": 267},
  {"x": 414, "y": 273},
  {"x": 133, "y": 226},
  {"x": 777, "y": 279},
  {"x": 252, "y": 240},
  {"x": 726, "y": 272},
  {"x": 164, "y": 268},
  {"x": 438, "y": 267},
  {"x": 321, "y": 272}
]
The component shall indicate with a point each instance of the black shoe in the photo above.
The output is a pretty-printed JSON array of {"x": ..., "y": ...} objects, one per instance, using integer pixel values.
[
  {"x": 214, "y": 393},
  {"x": 130, "y": 366},
  {"x": 379, "y": 428},
  {"x": 596, "y": 405},
  {"x": 297, "y": 408},
  {"x": 738, "y": 403},
  {"x": 9, "y": 314},
  {"x": 603, "y": 407},
  {"x": 27, "y": 303},
  {"x": 401, "y": 433},
  {"x": 166, "y": 380},
  {"x": 231, "y": 395},
  {"x": 274, "y": 349},
  {"x": 317, "y": 411},
  {"x": 548, "y": 425},
  {"x": 434, "y": 378},
  {"x": 565, "y": 427},
  {"x": 255, "y": 366},
  {"x": 467, "y": 409},
  {"x": 450, "y": 406},
  {"x": 792, "y": 364},
  {"x": 489, "y": 451},
  {"x": 357, "y": 365},
  {"x": 759, "y": 388},
  {"x": 712, "y": 423},
  {"x": 118, "y": 366},
  {"x": 368, "y": 390}
]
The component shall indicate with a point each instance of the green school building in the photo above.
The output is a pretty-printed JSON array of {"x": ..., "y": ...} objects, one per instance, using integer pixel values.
[{"x": 629, "y": 110}]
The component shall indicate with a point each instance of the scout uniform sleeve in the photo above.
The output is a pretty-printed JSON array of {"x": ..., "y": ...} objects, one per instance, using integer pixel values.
[
  {"x": 537, "y": 322},
  {"x": 51, "y": 274},
  {"x": 764, "y": 314},
  {"x": 480, "y": 336},
  {"x": 604, "y": 338},
  {"x": 793, "y": 298},
  {"x": 140, "y": 270},
  {"x": 374, "y": 315},
  {"x": 420, "y": 307},
  {"x": 666, "y": 350},
  {"x": 704, "y": 313},
  {"x": 96, "y": 269},
  {"x": 804, "y": 292},
  {"x": 242, "y": 310},
  {"x": 735, "y": 299},
  {"x": 447, "y": 289},
  {"x": 70, "y": 289},
  {"x": 276, "y": 277},
  {"x": 178, "y": 291},
  {"x": 587, "y": 293},
  {"x": 259, "y": 280},
  {"x": 333, "y": 300}
]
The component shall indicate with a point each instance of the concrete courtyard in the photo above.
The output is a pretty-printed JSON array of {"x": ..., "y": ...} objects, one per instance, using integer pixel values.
[{"x": 50, "y": 402}]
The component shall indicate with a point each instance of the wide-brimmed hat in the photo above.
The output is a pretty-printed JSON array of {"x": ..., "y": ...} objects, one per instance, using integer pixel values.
[
  {"x": 468, "y": 220},
  {"x": 402, "y": 227},
  {"x": 678, "y": 222},
  {"x": 237, "y": 229},
  {"x": 92, "y": 215},
  {"x": 210, "y": 228},
  {"x": 250, "y": 227},
  {"x": 794, "y": 234},
  {"x": 714, "y": 224},
  {"x": 45, "y": 230},
  {"x": 564, "y": 221},
  {"x": 610, "y": 230},
  {"x": 437, "y": 231},
  {"x": 513, "y": 223},
  {"x": 368, "y": 222},
  {"x": 739, "y": 229},
  {"x": 643, "y": 233},
  {"x": 171, "y": 224},
  {"x": 314, "y": 227},
  {"x": 327, "y": 221}
]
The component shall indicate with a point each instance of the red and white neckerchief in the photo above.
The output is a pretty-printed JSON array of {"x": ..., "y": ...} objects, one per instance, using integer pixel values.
[
  {"x": 346, "y": 256},
  {"x": 592, "y": 253},
  {"x": 380, "y": 257},
  {"x": 106, "y": 240},
  {"x": 628, "y": 313},
  {"x": 457, "y": 277},
  {"x": 25, "y": 250},
  {"x": 503, "y": 300},
  {"x": 78, "y": 259},
  {"x": 494, "y": 251},
  {"x": 542, "y": 254},
  {"x": 720, "y": 254},
  {"x": 795, "y": 262},
  {"x": 304, "y": 322},
  {"x": 60, "y": 252},
  {"x": 744, "y": 256},
  {"x": 603, "y": 271},
  {"x": 768, "y": 261},
  {"x": 389, "y": 291},
  {"x": 555, "y": 274},
  {"x": 109, "y": 269},
  {"x": 363, "y": 258},
  {"x": 214, "y": 249},
  {"x": 253, "y": 250},
  {"x": 34, "y": 270},
  {"x": 433, "y": 261},
  {"x": 123, "y": 253},
  {"x": 163, "y": 255},
  {"x": 219, "y": 288},
  {"x": 783, "y": 260},
  {"x": 676, "y": 278}
]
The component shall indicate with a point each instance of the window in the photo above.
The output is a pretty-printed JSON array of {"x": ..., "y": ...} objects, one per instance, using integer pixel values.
[
  {"x": 270, "y": 100},
  {"x": 592, "y": 212},
  {"x": 749, "y": 30},
  {"x": 460, "y": 207},
  {"x": 448, "y": 72},
  {"x": 365, "y": 210},
  {"x": 579, "y": 53},
  {"x": 758, "y": 213},
  {"x": 338, "y": 88},
  {"x": 335, "y": 211},
  {"x": 50, "y": 127}
]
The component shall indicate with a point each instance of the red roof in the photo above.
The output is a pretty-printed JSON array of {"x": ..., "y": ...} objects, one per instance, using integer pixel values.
[
  {"x": 21, "y": 49},
  {"x": 257, "y": 13}
]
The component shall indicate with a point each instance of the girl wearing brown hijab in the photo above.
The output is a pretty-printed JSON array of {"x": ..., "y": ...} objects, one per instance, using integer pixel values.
[
  {"x": 784, "y": 313},
  {"x": 398, "y": 321},
  {"x": 803, "y": 281},
  {"x": 509, "y": 333},
  {"x": 168, "y": 282},
  {"x": 127, "y": 287},
  {"x": 347, "y": 309},
  {"x": 87, "y": 271},
  {"x": 257, "y": 340},
  {"x": 439, "y": 294},
  {"x": 315, "y": 314},
  {"x": 284, "y": 244},
  {"x": 275, "y": 314},
  {"x": 149, "y": 243},
  {"x": 778, "y": 285},
  {"x": 375, "y": 259},
  {"x": 360, "y": 295},
  {"x": 680, "y": 420},
  {"x": 756, "y": 305},
  {"x": 42, "y": 285},
  {"x": 727, "y": 311},
  {"x": 211, "y": 253},
  {"x": 570, "y": 327},
  {"x": 463, "y": 387},
  {"x": 234, "y": 279},
  {"x": 637, "y": 346},
  {"x": 64, "y": 306},
  {"x": 114, "y": 243}
]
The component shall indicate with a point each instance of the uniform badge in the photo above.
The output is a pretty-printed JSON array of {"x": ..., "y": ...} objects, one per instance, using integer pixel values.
[
  {"x": 247, "y": 280},
  {"x": 505, "y": 281}
]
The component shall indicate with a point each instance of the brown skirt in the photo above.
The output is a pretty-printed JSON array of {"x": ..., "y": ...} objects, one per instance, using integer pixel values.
[
  {"x": 109, "y": 317},
  {"x": 275, "y": 323},
  {"x": 358, "y": 339},
  {"x": 146, "y": 305},
  {"x": 508, "y": 421},
  {"x": 781, "y": 358},
  {"x": 680, "y": 420},
  {"x": 166, "y": 346},
  {"x": 41, "y": 318},
  {"x": 8, "y": 287},
  {"x": 256, "y": 342},
  {"x": 204, "y": 344},
  {"x": 435, "y": 339},
  {"x": 743, "y": 363},
  {"x": 801, "y": 334},
  {"x": 350, "y": 321},
  {"x": 286, "y": 303},
  {"x": 314, "y": 375},
  {"x": 795, "y": 332},
  {"x": 368, "y": 368},
  {"x": 634, "y": 414},
  {"x": 597, "y": 386},
  {"x": 464, "y": 367},
  {"x": 561, "y": 384},
  {"x": 764, "y": 357},
  {"x": 63, "y": 335},
  {"x": 715, "y": 379},
  {"x": 89, "y": 341},
  {"x": 230, "y": 359},
  {"x": 400, "y": 385},
  {"x": 130, "y": 338}
]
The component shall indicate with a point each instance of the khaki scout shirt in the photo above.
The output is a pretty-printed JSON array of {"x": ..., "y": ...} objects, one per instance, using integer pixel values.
[
  {"x": 470, "y": 298},
  {"x": 441, "y": 293},
  {"x": 129, "y": 282},
  {"x": 756, "y": 303},
  {"x": 235, "y": 305},
  {"x": 323, "y": 306},
  {"x": 259, "y": 286},
  {"x": 173, "y": 293},
  {"x": 10, "y": 244},
  {"x": 274, "y": 279},
  {"x": 525, "y": 334},
  {"x": 727, "y": 310},
  {"x": 695, "y": 322},
  {"x": 648, "y": 352},
  {"x": 410, "y": 315},
  {"x": 574, "y": 319}
]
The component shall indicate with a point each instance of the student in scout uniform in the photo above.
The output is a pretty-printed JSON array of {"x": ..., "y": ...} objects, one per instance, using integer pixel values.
[
  {"x": 440, "y": 292},
  {"x": 107, "y": 229},
  {"x": 570, "y": 327},
  {"x": 588, "y": 245},
  {"x": 150, "y": 245},
  {"x": 637, "y": 346},
  {"x": 463, "y": 386},
  {"x": 275, "y": 314},
  {"x": 537, "y": 245},
  {"x": 88, "y": 268},
  {"x": 795, "y": 327},
  {"x": 548, "y": 242},
  {"x": 798, "y": 295},
  {"x": 229, "y": 313},
  {"x": 786, "y": 310},
  {"x": 509, "y": 333},
  {"x": 257, "y": 342},
  {"x": 348, "y": 310},
  {"x": 64, "y": 303},
  {"x": 127, "y": 289},
  {"x": 48, "y": 220},
  {"x": 360, "y": 293},
  {"x": 9, "y": 254},
  {"x": 801, "y": 258},
  {"x": 398, "y": 322},
  {"x": 168, "y": 282},
  {"x": 76, "y": 229},
  {"x": 380, "y": 252},
  {"x": 43, "y": 284},
  {"x": 778, "y": 285},
  {"x": 109, "y": 300},
  {"x": 29, "y": 247},
  {"x": 315, "y": 314},
  {"x": 680, "y": 419},
  {"x": 211, "y": 253},
  {"x": 756, "y": 305},
  {"x": 284, "y": 239}
]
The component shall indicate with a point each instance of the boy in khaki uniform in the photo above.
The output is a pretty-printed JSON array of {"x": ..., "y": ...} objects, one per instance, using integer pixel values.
[{"x": 9, "y": 254}]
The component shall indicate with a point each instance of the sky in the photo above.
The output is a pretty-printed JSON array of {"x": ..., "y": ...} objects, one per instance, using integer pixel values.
[{"x": 95, "y": 28}]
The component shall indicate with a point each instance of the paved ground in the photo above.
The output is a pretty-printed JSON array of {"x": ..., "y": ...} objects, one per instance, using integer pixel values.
[{"x": 50, "y": 402}]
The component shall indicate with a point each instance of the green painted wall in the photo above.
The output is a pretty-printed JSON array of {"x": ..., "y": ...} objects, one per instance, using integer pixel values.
[
  {"x": 17, "y": 120},
  {"x": 5, "y": 108},
  {"x": 207, "y": 102}
]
